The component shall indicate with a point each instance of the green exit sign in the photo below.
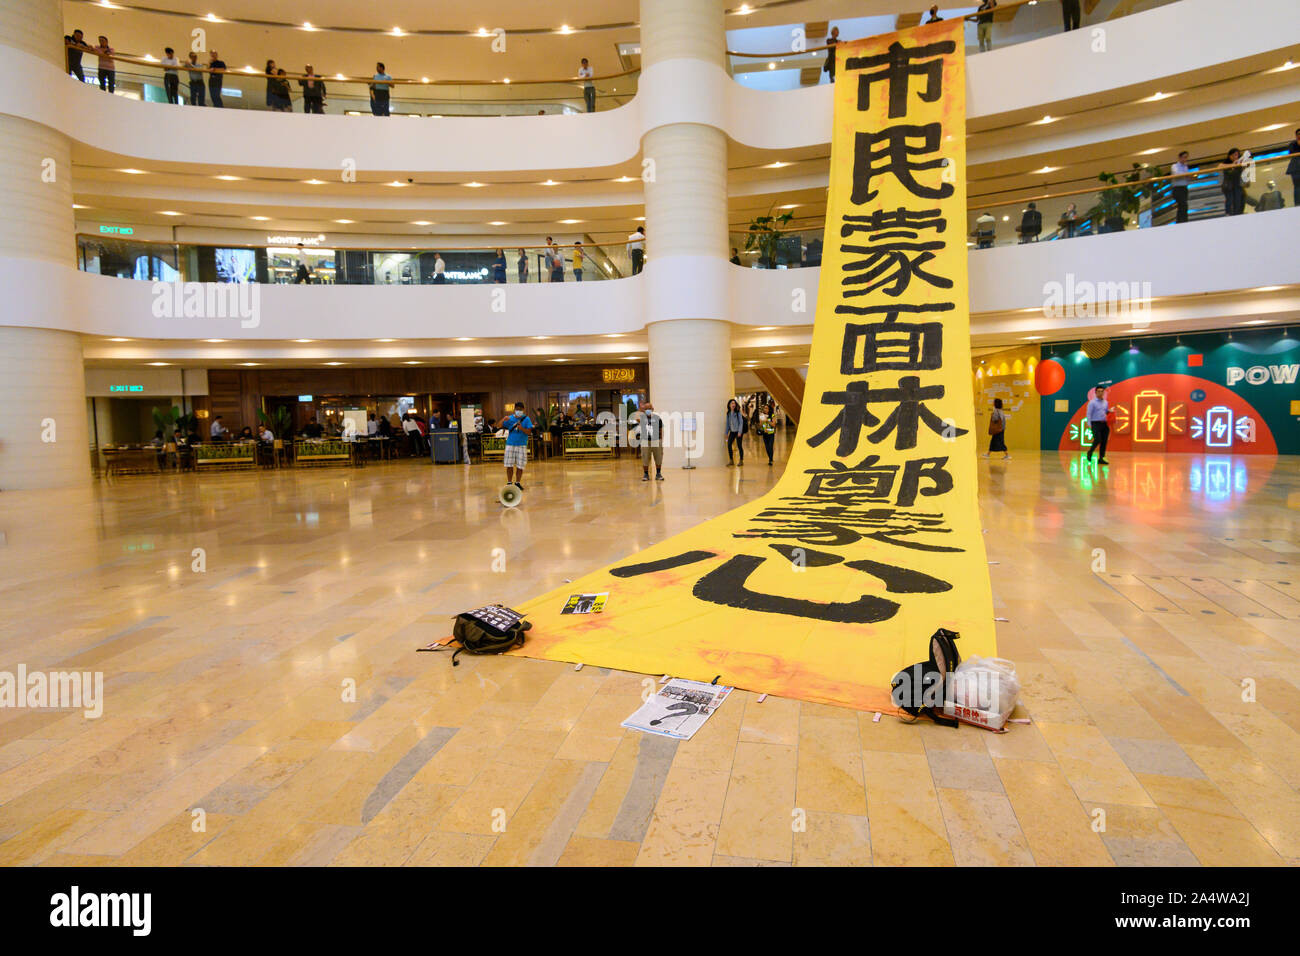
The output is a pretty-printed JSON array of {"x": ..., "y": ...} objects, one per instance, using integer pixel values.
[
  {"x": 117, "y": 230},
  {"x": 126, "y": 388}
]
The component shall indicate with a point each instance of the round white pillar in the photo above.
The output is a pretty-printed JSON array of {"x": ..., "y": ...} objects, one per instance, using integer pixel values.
[
  {"x": 686, "y": 235},
  {"x": 43, "y": 435}
]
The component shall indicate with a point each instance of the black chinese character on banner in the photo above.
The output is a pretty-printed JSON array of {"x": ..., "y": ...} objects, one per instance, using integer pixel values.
[
  {"x": 895, "y": 157},
  {"x": 900, "y": 65},
  {"x": 892, "y": 345},
  {"x": 726, "y": 585},
  {"x": 814, "y": 522},
  {"x": 909, "y": 412},
  {"x": 893, "y": 224},
  {"x": 869, "y": 481}
]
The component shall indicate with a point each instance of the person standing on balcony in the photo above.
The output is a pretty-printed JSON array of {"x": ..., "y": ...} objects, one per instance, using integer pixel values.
[
  {"x": 1182, "y": 177},
  {"x": 1069, "y": 221},
  {"x": 313, "y": 92},
  {"x": 1070, "y": 11},
  {"x": 75, "y": 46},
  {"x": 171, "y": 78},
  {"x": 636, "y": 249},
  {"x": 1098, "y": 415},
  {"x": 588, "y": 87},
  {"x": 379, "y": 91},
  {"x": 831, "y": 40},
  {"x": 304, "y": 273},
  {"x": 195, "y": 72},
  {"x": 735, "y": 256},
  {"x": 1234, "y": 193},
  {"x": 499, "y": 267},
  {"x": 556, "y": 258},
  {"x": 984, "y": 231},
  {"x": 934, "y": 15},
  {"x": 577, "y": 260},
  {"x": 1031, "y": 224},
  {"x": 216, "y": 78},
  {"x": 984, "y": 24},
  {"x": 521, "y": 266},
  {"x": 1271, "y": 199},
  {"x": 271, "y": 93},
  {"x": 1293, "y": 168},
  {"x": 107, "y": 66},
  {"x": 439, "y": 270}
]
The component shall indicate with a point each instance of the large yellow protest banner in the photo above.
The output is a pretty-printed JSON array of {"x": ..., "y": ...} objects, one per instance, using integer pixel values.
[{"x": 832, "y": 582}]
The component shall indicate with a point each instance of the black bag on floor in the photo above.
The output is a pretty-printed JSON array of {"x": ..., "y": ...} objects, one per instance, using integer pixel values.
[
  {"x": 920, "y": 688},
  {"x": 493, "y": 629}
]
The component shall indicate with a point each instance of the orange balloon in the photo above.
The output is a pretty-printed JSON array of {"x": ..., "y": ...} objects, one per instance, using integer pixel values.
[{"x": 1049, "y": 377}]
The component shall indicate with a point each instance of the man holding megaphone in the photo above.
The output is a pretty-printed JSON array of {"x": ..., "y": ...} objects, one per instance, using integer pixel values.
[{"x": 518, "y": 427}]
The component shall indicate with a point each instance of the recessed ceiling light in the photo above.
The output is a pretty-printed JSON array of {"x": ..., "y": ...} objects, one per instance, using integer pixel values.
[
  {"x": 119, "y": 340},
  {"x": 566, "y": 29},
  {"x": 487, "y": 361},
  {"x": 549, "y": 182},
  {"x": 250, "y": 364},
  {"x": 229, "y": 179},
  {"x": 1032, "y": 338},
  {"x": 308, "y": 27},
  {"x": 569, "y": 222},
  {"x": 482, "y": 31},
  {"x": 475, "y": 185},
  {"x": 260, "y": 218},
  {"x": 1006, "y": 218},
  {"x": 133, "y": 172},
  {"x": 397, "y": 32},
  {"x": 541, "y": 337},
  {"x": 771, "y": 66},
  {"x": 506, "y": 80},
  {"x": 158, "y": 364},
  {"x": 765, "y": 328},
  {"x": 631, "y": 358},
  {"x": 559, "y": 360},
  {"x": 1267, "y": 288},
  {"x": 410, "y": 363},
  {"x": 344, "y": 222},
  {"x": 169, "y": 212},
  {"x": 625, "y": 179},
  {"x": 789, "y": 206},
  {"x": 464, "y": 338},
  {"x": 1257, "y": 321},
  {"x": 1046, "y": 169},
  {"x": 396, "y": 182},
  {"x": 214, "y": 340},
  {"x": 333, "y": 363},
  {"x": 496, "y": 222},
  {"x": 613, "y": 335},
  {"x": 79, "y": 206},
  {"x": 777, "y": 165},
  {"x": 1150, "y": 152},
  {"x": 1156, "y": 97},
  {"x": 421, "y": 222},
  {"x": 339, "y": 76},
  {"x": 314, "y": 182},
  {"x": 1044, "y": 121},
  {"x": 638, "y": 218},
  {"x": 776, "y": 353},
  {"x": 385, "y": 340},
  {"x": 304, "y": 340},
  {"x": 424, "y": 79}
]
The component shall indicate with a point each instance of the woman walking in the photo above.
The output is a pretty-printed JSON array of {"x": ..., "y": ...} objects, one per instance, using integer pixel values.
[
  {"x": 998, "y": 431},
  {"x": 736, "y": 428},
  {"x": 767, "y": 428}
]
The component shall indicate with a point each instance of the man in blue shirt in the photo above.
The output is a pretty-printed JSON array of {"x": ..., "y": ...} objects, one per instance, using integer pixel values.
[
  {"x": 1098, "y": 409},
  {"x": 518, "y": 427},
  {"x": 379, "y": 91}
]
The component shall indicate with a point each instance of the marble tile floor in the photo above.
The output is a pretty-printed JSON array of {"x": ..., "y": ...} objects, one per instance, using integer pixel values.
[{"x": 265, "y": 704}]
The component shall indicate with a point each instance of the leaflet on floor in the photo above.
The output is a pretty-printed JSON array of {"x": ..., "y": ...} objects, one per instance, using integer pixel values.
[{"x": 678, "y": 709}]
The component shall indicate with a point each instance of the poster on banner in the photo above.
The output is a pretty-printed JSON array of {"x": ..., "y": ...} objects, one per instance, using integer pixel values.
[
  {"x": 584, "y": 604},
  {"x": 678, "y": 709},
  {"x": 826, "y": 586}
]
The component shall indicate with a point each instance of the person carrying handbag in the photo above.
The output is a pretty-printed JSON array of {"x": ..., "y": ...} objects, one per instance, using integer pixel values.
[{"x": 998, "y": 431}]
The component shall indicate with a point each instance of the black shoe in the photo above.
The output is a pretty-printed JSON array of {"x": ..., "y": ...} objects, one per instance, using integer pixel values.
[
  {"x": 659, "y": 476},
  {"x": 731, "y": 464},
  {"x": 519, "y": 486},
  {"x": 1102, "y": 461},
  {"x": 646, "y": 476}
]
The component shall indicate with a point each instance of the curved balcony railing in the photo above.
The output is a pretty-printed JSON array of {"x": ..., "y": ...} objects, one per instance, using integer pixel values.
[
  {"x": 601, "y": 259},
  {"x": 1146, "y": 196}
]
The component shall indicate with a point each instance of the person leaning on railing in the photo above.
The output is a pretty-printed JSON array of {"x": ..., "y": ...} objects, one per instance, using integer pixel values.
[
  {"x": 379, "y": 91},
  {"x": 196, "y": 81},
  {"x": 983, "y": 233},
  {"x": 107, "y": 67},
  {"x": 216, "y": 78},
  {"x": 171, "y": 78}
]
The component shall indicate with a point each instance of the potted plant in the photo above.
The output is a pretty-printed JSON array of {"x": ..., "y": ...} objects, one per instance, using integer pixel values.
[
  {"x": 166, "y": 420},
  {"x": 764, "y": 233},
  {"x": 279, "y": 421},
  {"x": 544, "y": 419},
  {"x": 1122, "y": 199}
]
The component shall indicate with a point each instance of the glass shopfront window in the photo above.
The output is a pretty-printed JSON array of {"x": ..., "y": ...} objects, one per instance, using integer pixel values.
[{"x": 282, "y": 264}]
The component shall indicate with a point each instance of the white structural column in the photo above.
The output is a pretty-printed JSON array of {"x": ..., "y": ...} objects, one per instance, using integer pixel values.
[
  {"x": 43, "y": 433},
  {"x": 682, "y": 42}
]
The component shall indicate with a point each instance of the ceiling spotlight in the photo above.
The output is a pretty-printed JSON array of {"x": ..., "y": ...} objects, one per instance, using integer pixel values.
[
  {"x": 421, "y": 222},
  {"x": 345, "y": 222},
  {"x": 214, "y": 340},
  {"x": 304, "y": 340},
  {"x": 260, "y": 218},
  {"x": 227, "y": 178},
  {"x": 133, "y": 172},
  {"x": 169, "y": 212},
  {"x": 475, "y": 185}
]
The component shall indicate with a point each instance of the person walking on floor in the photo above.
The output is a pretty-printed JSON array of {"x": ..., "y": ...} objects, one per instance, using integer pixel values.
[
  {"x": 736, "y": 428},
  {"x": 650, "y": 436},
  {"x": 767, "y": 428},
  {"x": 588, "y": 87},
  {"x": 216, "y": 78},
  {"x": 997, "y": 431},
  {"x": 1098, "y": 421},
  {"x": 107, "y": 66}
]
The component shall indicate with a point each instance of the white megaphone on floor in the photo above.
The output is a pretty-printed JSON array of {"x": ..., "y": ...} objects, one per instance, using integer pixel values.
[{"x": 510, "y": 496}]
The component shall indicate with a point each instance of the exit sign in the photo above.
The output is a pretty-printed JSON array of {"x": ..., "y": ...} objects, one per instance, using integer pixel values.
[
  {"x": 117, "y": 230},
  {"x": 126, "y": 388}
]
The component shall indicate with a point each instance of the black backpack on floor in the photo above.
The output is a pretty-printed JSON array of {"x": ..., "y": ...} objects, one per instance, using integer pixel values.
[
  {"x": 920, "y": 688},
  {"x": 493, "y": 629}
]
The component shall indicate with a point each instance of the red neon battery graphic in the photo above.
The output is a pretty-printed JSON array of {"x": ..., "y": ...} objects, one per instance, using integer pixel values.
[{"x": 1149, "y": 416}]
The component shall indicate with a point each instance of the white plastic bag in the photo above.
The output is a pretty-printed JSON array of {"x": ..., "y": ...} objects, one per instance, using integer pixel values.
[{"x": 984, "y": 691}]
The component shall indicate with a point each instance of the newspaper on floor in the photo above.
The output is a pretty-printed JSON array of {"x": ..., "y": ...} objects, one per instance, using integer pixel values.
[{"x": 678, "y": 709}]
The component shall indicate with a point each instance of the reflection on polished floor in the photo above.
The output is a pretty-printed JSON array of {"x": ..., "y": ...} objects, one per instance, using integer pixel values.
[{"x": 1151, "y": 609}]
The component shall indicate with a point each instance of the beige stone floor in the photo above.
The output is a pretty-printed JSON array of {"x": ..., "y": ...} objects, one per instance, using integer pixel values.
[{"x": 225, "y": 687}]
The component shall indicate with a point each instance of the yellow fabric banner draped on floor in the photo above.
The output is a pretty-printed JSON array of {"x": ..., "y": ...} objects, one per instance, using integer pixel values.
[{"x": 832, "y": 582}]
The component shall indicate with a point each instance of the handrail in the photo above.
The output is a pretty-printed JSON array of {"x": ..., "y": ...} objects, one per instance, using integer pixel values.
[
  {"x": 972, "y": 17},
  {"x": 369, "y": 247},
  {"x": 186, "y": 66}
]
